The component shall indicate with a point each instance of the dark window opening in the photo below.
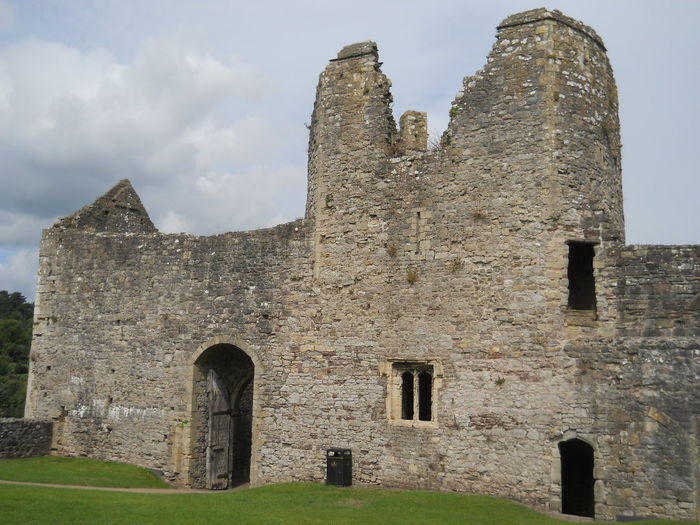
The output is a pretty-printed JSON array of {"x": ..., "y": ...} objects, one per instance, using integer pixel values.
[
  {"x": 577, "y": 478},
  {"x": 580, "y": 273},
  {"x": 425, "y": 394},
  {"x": 417, "y": 232},
  {"x": 407, "y": 395},
  {"x": 414, "y": 400}
]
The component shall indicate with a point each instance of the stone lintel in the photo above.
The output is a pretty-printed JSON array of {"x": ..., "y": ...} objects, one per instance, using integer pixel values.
[{"x": 358, "y": 49}]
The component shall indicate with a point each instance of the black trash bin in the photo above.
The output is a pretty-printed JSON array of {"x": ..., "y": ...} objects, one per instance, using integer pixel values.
[{"x": 339, "y": 467}]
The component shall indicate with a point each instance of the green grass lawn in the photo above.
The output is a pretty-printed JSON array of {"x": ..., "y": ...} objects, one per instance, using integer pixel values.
[
  {"x": 78, "y": 471},
  {"x": 288, "y": 504},
  {"x": 275, "y": 504}
]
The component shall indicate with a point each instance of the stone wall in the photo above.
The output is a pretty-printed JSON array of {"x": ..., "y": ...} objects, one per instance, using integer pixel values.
[
  {"x": 24, "y": 438},
  {"x": 658, "y": 290},
  {"x": 451, "y": 259},
  {"x": 121, "y": 389},
  {"x": 639, "y": 383}
]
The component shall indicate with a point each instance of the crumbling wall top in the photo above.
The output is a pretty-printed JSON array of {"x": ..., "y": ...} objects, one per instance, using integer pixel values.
[
  {"x": 537, "y": 15},
  {"x": 357, "y": 50}
]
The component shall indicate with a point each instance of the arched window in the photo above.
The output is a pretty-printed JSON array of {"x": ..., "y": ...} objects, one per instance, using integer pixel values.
[
  {"x": 407, "y": 396},
  {"x": 412, "y": 393},
  {"x": 425, "y": 396}
]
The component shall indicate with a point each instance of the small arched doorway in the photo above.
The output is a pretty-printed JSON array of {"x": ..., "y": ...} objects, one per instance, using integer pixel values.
[
  {"x": 222, "y": 417},
  {"x": 577, "y": 478}
]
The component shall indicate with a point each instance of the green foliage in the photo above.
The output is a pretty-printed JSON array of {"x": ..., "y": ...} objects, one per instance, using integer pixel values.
[
  {"x": 79, "y": 471},
  {"x": 13, "y": 389},
  {"x": 285, "y": 504},
  {"x": 15, "y": 341},
  {"x": 15, "y": 306}
]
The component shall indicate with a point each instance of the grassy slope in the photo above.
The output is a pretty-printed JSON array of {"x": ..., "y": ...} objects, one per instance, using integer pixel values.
[
  {"x": 78, "y": 471},
  {"x": 276, "y": 504}
]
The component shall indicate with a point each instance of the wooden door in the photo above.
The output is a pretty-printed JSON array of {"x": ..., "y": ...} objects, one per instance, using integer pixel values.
[{"x": 219, "y": 438}]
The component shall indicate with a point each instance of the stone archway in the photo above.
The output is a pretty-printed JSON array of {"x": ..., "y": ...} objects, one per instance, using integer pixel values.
[
  {"x": 577, "y": 481},
  {"x": 223, "y": 380}
]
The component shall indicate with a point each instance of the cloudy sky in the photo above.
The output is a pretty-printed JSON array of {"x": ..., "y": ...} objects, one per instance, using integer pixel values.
[{"x": 202, "y": 104}]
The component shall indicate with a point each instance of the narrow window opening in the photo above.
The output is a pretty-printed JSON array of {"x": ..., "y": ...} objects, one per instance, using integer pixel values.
[
  {"x": 411, "y": 396},
  {"x": 407, "y": 395},
  {"x": 417, "y": 232},
  {"x": 577, "y": 478},
  {"x": 580, "y": 273},
  {"x": 425, "y": 394}
]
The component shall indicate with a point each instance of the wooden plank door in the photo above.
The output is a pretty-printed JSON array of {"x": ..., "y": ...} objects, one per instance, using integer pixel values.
[{"x": 219, "y": 438}]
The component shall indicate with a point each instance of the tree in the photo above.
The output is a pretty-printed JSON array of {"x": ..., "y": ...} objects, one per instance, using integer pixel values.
[
  {"x": 15, "y": 306},
  {"x": 15, "y": 342}
]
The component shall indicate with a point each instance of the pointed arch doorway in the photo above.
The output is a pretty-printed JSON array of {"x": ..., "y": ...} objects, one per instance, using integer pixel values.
[{"x": 223, "y": 386}]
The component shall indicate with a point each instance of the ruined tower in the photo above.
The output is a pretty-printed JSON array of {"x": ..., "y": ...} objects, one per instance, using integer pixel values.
[{"x": 465, "y": 317}]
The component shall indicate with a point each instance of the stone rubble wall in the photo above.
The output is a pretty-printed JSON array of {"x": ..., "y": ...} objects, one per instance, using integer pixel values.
[
  {"x": 24, "y": 438},
  {"x": 659, "y": 291},
  {"x": 456, "y": 256},
  {"x": 657, "y": 377},
  {"x": 118, "y": 319},
  {"x": 640, "y": 383}
]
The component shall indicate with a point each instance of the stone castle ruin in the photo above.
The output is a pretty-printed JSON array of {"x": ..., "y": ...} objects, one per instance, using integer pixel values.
[{"x": 463, "y": 318}]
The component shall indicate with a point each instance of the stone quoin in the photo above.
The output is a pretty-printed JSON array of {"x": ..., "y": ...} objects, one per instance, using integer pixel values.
[{"x": 464, "y": 317}]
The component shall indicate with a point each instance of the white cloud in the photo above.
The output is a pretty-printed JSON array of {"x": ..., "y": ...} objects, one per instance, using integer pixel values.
[
  {"x": 173, "y": 222},
  {"x": 16, "y": 228},
  {"x": 72, "y": 123},
  {"x": 18, "y": 273},
  {"x": 66, "y": 109},
  {"x": 186, "y": 127},
  {"x": 227, "y": 201}
]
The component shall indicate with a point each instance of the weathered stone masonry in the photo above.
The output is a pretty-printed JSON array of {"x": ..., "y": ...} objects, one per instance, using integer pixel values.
[
  {"x": 419, "y": 314},
  {"x": 24, "y": 438}
]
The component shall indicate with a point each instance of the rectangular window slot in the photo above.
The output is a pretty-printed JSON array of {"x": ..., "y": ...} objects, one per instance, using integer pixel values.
[
  {"x": 417, "y": 232},
  {"x": 407, "y": 395},
  {"x": 581, "y": 279},
  {"x": 425, "y": 395}
]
